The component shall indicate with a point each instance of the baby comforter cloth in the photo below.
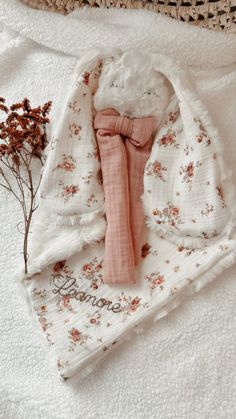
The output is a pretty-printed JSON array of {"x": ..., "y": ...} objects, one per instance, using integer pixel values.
[{"x": 136, "y": 204}]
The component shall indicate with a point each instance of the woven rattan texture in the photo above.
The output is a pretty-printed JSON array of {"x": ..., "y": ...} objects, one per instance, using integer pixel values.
[{"x": 211, "y": 14}]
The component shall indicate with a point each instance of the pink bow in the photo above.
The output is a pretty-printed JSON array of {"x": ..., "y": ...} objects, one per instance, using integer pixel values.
[
  {"x": 138, "y": 130},
  {"x": 122, "y": 164}
]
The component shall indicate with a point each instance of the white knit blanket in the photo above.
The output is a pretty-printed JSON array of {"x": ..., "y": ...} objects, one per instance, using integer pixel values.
[{"x": 189, "y": 195}]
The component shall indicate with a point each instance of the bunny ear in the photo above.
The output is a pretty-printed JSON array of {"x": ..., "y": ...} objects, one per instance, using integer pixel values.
[
  {"x": 185, "y": 196},
  {"x": 71, "y": 193}
]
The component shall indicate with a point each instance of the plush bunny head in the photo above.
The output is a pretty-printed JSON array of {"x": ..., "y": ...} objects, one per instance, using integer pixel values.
[{"x": 131, "y": 84}]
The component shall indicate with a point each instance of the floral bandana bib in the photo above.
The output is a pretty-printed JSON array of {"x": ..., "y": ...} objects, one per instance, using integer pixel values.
[{"x": 188, "y": 201}]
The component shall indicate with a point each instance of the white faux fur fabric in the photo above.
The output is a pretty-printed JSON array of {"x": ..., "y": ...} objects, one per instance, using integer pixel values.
[
  {"x": 220, "y": 87},
  {"x": 131, "y": 84}
]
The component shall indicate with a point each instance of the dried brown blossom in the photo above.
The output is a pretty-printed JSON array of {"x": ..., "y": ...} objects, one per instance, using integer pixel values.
[
  {"x": 22, "y": 139},
  {"x": 24, "y": 129}
]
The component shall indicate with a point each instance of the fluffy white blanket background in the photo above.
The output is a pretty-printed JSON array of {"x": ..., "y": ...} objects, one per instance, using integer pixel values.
[{"x": 181, "y": 367}]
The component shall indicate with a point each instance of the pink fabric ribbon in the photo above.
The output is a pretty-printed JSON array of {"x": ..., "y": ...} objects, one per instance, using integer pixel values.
[{"x": 122, "y": 165}]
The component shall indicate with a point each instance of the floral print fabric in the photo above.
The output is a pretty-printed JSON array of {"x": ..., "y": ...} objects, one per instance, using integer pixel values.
[
  {"x": 72, "y": 175},
  {"x": 183, "y": 185},
  {"x": 82, "y": 318},
  {"x": 189, "y": 234}
]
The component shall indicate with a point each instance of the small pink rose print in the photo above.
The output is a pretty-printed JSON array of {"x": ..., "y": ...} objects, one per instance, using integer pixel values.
[
  {"x": 134, "y": 304},
  {"x": 68, "y": 191},
  {"x": 94, "y": 319},
  {"x": 60, "y": 268},
  {"x": 156, "y": 169},
  {"x": 87, "y": 267},
  {"x": 174, "y": 211},
  {"x": 43, "y": 309},
  {"x": 156, "y": 212},
  {"x": 202, "y": 137},
  {"x": 76, "y": 337},
  {"x": 71, "y": 190},
  {"x": 159, "y": 280},
  {"x": 189, "y": 169},
  {"x": 169, "y": 215},
  {"x": 188, "y": 172},
  {"x": 168, "y": 139},
  {"x": 74, "y": 130},
  {"x": 172, "y": 117},
  {"x": 135, "y": 301},
  {"x": 92, "y": 270},
  {"x": 86, "y": 78},
  {"x": 155, "y": 280},
  {"x": 130, "y": 304},
  {"x": 66, "y": 301},
  {"x": 75, "y": 334},
  {"x": 68, "y": 164}
]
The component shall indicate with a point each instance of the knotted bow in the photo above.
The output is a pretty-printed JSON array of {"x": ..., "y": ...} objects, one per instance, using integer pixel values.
[
  {"x": 122, "y": 165},
  {"x": 139, "y": 130}
]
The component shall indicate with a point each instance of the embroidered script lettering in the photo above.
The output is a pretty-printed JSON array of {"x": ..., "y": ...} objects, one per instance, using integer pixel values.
[{"x": 68, "y": 287}]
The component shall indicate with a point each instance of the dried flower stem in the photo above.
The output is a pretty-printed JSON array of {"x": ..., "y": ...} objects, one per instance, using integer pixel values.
[{"x": 23, "y": 136}]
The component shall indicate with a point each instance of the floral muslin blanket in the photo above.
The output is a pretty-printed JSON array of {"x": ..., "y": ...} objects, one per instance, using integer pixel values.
[{"x": 188, "y": 202}]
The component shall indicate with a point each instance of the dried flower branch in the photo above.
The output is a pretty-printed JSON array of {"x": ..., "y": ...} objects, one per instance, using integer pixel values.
[{"x": 23, "y": 139}]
